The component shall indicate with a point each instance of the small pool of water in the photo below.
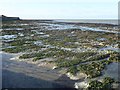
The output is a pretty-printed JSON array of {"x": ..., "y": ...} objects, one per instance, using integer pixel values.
[
  {"x": 8, "y": 37},
  {"x": 13, "y": 29},
  {"x": 112, "y": 70},
  {"x": 38, "y": 43},
  {"x": 110, "y": 48}
]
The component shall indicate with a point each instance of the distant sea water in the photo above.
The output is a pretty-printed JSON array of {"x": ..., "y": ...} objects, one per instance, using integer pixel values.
[{"x": 107, "y": 21}]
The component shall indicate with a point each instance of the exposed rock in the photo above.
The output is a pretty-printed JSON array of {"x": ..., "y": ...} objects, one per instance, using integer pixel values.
[
  {"x": 115, "y": 85},
  {"x": 77, "y": 76},
  {"x": 83, "y": 84},
  {"x": 55, "y": 67},
  {"x": 72, "y": 77}
]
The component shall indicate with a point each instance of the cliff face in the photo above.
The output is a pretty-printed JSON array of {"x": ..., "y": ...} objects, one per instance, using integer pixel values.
[{"x": 5, "y": 18}]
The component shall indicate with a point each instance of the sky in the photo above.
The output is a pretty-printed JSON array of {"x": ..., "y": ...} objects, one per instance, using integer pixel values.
[{"x": 60, "y": 9}]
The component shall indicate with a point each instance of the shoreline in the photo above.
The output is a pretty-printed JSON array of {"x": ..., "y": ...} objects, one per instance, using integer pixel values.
[{"x": 51, "y": 41}]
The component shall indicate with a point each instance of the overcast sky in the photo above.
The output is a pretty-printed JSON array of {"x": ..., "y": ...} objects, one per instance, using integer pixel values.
[{"x": 60, "y": 9}]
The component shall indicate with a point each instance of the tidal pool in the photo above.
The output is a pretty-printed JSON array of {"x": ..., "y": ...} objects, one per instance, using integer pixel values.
[
  {"x": 112, "y": 71},
  {"x": 8, "y": 37}
]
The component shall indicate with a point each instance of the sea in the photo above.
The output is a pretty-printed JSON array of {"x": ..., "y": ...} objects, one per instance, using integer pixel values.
[{"x": 103, "y": 21}]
